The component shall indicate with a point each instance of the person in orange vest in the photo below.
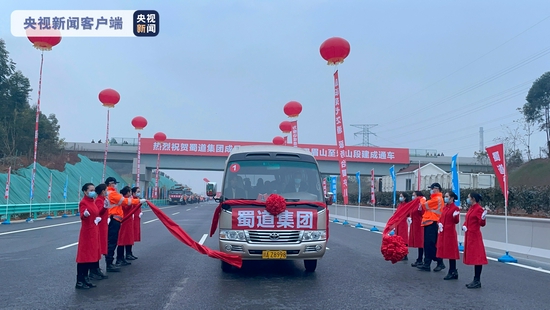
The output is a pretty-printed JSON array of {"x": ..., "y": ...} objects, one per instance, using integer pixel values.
[
  {"x": 115, "y": 203},
  {"x": 430, "y": 218}
]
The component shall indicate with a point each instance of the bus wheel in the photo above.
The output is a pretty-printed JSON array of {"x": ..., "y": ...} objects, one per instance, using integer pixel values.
[
  {"x": 226, "y": 267},
  {"x": 310, "y": 264}
]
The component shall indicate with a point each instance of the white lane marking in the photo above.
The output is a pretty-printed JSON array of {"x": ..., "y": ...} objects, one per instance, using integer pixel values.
[
  {"x": 66, "y": 246},
  {"x": 175, "y": 213},
  {"x": 539, "y": 269},
  {"x": 328, "y": 248},
  {"x": 36, "y": 228},
  {"x": 150, "y": 221},
  {"x": 188, "y": 210},
  {"x": 203, "y": 238},
  {"x": 196, "y": 207}
]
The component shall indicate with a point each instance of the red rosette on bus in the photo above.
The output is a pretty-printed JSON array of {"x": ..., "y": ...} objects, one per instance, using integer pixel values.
[
  {"x": 275, "y": 204},
  {"x": 394, "y": 248}
]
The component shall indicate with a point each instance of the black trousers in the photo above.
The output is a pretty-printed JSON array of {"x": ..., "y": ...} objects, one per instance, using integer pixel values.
[
  {"x": 112, "y": 240},
  {"x": 82, "y": 269},
  {"x": 430, "y": 243}
]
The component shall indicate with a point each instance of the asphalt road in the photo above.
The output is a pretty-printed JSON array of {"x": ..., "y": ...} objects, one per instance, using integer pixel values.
[{"x": 35, "y": 274}]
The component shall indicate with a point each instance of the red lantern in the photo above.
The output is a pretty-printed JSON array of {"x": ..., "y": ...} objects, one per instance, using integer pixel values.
[
  {"x": 109, "y": 97},
  {"x": 139, "y": 122},
  {"x": 159, "y": 137},
  {"x": 285, "y": 126},
  {"x": 278, "y": 140},
  {"x": 293, "y": 109},
  {"x": 335, "y": 50},
  {"x": 44, "y": 39}
]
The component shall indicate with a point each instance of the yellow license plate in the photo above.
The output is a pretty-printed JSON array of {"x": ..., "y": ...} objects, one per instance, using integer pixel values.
[{"x": 274, "y": 254}]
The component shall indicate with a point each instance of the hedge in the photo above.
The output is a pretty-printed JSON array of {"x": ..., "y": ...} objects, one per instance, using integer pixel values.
[{"x": 532, "y": 201}]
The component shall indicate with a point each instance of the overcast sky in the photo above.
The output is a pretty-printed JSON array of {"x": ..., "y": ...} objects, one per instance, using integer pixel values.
[{"x": 429, "y": 73}]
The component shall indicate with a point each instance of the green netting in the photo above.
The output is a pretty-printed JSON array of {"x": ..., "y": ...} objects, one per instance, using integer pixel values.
[{"x": 82, "y": 172}]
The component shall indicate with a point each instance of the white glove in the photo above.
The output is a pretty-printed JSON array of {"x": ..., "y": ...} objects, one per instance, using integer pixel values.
[
  {"x": 464, "y": 228},
  {"x": 97, "y": 220},
  {"x": 142, "y": 200},
  {"x": 140, "y": 214},
  {"x": 108, "y": 221},
  {"x": 86, "y": 213},
  {"x": 484, "y": 214},
  {"x": 456, "y": 213},
  {"x": 106, "y": 204},
  {"x": 440, "y": 227},
  {"x": 409, "y": 220},
  {"x": 420, "y": 208}
]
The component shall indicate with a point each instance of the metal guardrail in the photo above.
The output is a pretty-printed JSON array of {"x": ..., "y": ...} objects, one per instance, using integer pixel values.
[{"x": 46, "y": 209}]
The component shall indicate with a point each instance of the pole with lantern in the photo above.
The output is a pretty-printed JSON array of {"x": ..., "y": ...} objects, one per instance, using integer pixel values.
[
  {"x": 43, "y": 40},
  {"x": 139, "y": 122},
  {"x": 109, "y": 98},
  {"x": 293, "y": 109},
  {"x": 159, "y": 138},
  {"x": 334, "y": 51},
  {"x": 286, "y": 128}
]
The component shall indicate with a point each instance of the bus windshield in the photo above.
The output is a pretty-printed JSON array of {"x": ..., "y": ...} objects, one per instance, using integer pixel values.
[{"x": 249, "y": 179}]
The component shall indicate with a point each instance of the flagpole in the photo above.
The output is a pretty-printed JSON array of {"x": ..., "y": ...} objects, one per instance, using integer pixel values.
[
  {"x": 358, "y": 175},
  {"x": 7, "y": 196},
  {"x": 49, "y": 217},
  {"x": 65, "y": 195},
  {"x": 79, "y": 187},
  {"x": 460, "y": 245},
  {"x": 373, "y": 201},
  {"x": 506, "y": 258}
]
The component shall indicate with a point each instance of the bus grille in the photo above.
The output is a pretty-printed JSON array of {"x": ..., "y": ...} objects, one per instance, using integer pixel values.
[{"x": 262, "y": 236}]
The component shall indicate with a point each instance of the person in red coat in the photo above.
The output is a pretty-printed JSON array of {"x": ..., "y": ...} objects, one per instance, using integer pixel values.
[
  {"x": 447, "y": 241},
  {"x": 88, "y": 253},
  {"x": 126, "y": 233},
  {"x": 101, "y": 191},
  {"x": 136, "y": 193},
  {"x": 474, "y": 249},
  {"x": 416, "y": 234},
  {"x": 402, "y": 228}
]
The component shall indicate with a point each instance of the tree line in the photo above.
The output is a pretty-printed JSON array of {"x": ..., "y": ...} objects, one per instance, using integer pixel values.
[{"x": 18, "y": 116}]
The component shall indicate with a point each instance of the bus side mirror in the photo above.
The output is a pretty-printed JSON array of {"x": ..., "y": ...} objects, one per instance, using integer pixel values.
[
  {"x": 211, "y": 189},
  {"x": 329, "y": 198}
]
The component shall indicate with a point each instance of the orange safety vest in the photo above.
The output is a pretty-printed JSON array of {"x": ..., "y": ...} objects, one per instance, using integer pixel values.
[
  {"x": 116, "y": 201},
  {"x": 432, "y": 209}
]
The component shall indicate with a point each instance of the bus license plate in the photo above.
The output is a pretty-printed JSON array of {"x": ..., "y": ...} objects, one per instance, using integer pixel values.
[{"x": 274, "y": 254}]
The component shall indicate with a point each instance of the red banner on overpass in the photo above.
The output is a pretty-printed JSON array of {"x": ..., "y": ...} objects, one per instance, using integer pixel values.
[{"x": 321, "y": 152}]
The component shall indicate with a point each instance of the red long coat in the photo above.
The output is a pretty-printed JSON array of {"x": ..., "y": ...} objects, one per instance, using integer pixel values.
[
  {"x": 137, "y": 225},
  {"x": 416, "y": 235},
  {"x": 103, "y": 225},
  {"x": 88, "y": 240},
  {"x": 126, "y": 233},
  {"x": 402, "y": 228},
  {"x": 474, "y": 249},
  {"x": 447, "y": 240}
]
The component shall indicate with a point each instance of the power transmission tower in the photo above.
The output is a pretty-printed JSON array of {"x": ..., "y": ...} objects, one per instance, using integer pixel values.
[{"x": 365, "y": 133}]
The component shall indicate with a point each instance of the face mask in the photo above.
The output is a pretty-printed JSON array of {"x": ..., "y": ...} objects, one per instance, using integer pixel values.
[
  {"x": 468, "y": 201},
  {"x": 297, "y": 181},
  {"x": 446, "y": 200},
  {"x": 431, "y": 191},
  {"x": 138, "y": 195},
  {"x": 401, "y": 198},
  {"x": 413, "y": 197},
  {"x": 92, "y": 194}
]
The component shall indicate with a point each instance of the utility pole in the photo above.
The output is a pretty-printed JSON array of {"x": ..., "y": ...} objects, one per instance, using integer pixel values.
[
  {"x": 365, "y": 133},
  {"x": 481, "y": 144}
]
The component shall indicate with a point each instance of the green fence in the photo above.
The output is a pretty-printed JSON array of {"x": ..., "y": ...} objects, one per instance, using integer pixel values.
[{"x": 15, "y": 212}]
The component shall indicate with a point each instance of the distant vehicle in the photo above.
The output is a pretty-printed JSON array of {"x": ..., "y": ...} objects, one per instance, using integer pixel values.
[{"x": 253, "y": 173}]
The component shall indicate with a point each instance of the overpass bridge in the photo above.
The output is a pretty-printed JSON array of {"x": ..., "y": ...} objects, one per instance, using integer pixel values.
[{"x": 210, "y": 155}]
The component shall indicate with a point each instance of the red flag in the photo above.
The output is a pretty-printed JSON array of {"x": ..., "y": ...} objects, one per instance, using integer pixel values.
[
  {"x": 206, "y": 180},
  {"x": 182, "y": 236},
  {"x": 294, "y": 133},
  {"x": 496, "y": 155},
  {"x": 8, "y": 181},
  {"x": 340, "y": 139},
  {"x": 372, "y": 195}
]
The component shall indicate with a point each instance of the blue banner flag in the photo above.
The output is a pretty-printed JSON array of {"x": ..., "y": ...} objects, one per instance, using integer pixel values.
[
  {"x": 454, "y": 176},
  {"x": 333, "y": 187},
  {"x": 66, "y": 186},
  {"x": 392, "y": 173},
  {"x": 358, "y": 176}
]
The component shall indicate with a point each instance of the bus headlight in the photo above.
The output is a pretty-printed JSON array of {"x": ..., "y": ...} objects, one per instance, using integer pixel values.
[
  {"x": 314, "y": 235},
  {"x": 234, "y": 235}
]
